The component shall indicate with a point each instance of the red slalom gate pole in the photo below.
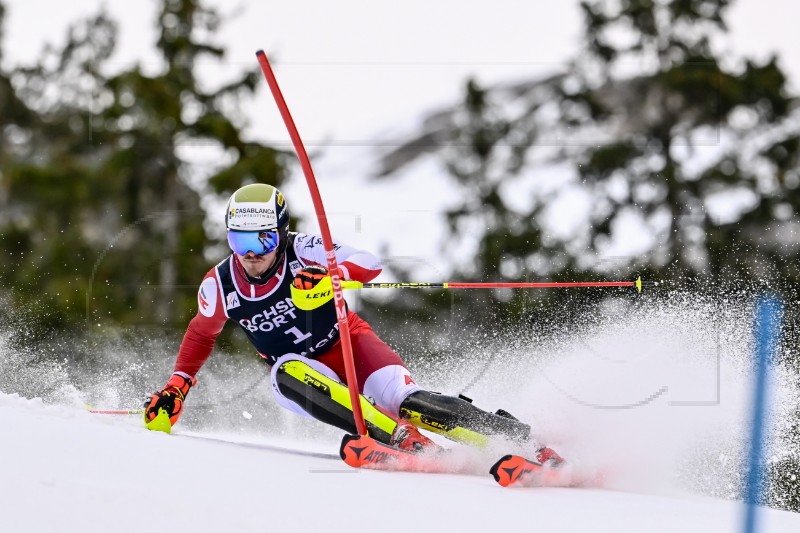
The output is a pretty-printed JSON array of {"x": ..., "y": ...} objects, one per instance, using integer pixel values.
[{"x": 338, "y": 296}]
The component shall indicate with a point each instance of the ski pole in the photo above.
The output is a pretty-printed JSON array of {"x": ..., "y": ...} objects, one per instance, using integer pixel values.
[
  {"x": 94, "y": 411},
  {"x": 116, "y": 411},
  {"x": 310, "y": 299},
  {"x": 638, "y": 284}
]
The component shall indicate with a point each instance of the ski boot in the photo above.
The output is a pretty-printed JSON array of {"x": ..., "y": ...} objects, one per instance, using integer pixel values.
[
  {"x": 408, "y": 438},
  {"x": 548, "y": 457}
]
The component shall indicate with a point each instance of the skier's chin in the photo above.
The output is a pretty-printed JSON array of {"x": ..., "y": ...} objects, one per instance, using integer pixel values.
[{"x": 256, "y": 265}]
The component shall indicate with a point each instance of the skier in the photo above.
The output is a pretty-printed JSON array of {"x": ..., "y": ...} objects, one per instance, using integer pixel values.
[{"x": 253, "y": 287}]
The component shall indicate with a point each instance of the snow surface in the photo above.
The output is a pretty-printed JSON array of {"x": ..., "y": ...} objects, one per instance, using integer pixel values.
[
  {"x": 655, "y": 393},
  {"x": 68, "y": 470}
]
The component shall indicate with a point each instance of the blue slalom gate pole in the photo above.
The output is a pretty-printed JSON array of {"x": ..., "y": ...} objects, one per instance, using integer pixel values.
[{"x": 769, "y": 312}]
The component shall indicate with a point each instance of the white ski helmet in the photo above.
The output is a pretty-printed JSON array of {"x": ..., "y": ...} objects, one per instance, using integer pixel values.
[
  {"x": 257, "y": 220},
  {"x": 257, "y": 207}
]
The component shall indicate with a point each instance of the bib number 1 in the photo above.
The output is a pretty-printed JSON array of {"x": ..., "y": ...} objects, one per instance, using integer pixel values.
[{"x": 299, "y": 335}]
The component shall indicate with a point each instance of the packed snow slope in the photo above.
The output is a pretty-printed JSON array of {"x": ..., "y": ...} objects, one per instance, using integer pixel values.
[
  {"x": 654, "y": 393},
  {"x": 68, "y": 470}
]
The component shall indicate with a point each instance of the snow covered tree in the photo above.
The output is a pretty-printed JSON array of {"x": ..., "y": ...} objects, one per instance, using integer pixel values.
[
  {"x": 650, "y": 153},
  {"x": 686, "y": 134}
]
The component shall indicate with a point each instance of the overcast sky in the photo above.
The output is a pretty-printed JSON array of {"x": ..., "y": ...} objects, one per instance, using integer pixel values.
[
  {"x": 355, "y": 70},
  {"x": 358, "y": 74}
]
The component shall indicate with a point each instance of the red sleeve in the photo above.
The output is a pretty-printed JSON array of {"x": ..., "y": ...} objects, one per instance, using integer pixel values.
[
  {"x": 356, "y": 272},
  {"x": 198, "y": 342},
  {"x": 357, "y": 265}
]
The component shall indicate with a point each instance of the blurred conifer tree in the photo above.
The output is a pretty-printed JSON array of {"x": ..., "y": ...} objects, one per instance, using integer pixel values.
[
  {"x": 649, "y": 133},
  {"x": 101, "y": 202}
]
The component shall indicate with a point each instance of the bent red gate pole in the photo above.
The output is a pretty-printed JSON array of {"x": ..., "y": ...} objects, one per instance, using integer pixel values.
[{"x": 338, "y": 296}]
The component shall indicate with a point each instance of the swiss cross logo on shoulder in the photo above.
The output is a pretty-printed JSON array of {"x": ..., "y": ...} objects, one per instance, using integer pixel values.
[
  {"x": 232, "y": 300},
  {"x": 409, "y": 381}
]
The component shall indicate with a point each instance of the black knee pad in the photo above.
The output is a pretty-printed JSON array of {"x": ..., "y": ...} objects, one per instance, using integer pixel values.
[
  {"x": 313, "y": 392},
  {"x": 443, "y": 414}
]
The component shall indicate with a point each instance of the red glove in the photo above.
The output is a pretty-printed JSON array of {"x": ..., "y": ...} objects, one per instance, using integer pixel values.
[
  {"x": 170, "y": 398},
  {"x": 308, "y": 277}
]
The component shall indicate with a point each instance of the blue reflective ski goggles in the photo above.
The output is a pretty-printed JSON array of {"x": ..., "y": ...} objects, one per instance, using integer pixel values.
[{"x": 258, "y": 242}]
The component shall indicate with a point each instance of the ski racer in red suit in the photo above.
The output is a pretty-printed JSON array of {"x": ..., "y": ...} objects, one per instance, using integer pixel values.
[{"x": 253, "y": 287}]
